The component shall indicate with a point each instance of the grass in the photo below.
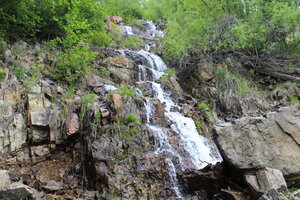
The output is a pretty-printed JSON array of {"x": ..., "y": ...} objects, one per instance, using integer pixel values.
[
  {"x": 132, "y": 118},
  {"x": 168, "y": 74},
  {"x": 234, "y": 84},
  {"x": 199, "y": 126},
  {"x": 204, "y": 106},
  {"x": 126, "y": 90},
  {"x": 293, "y": 99}
]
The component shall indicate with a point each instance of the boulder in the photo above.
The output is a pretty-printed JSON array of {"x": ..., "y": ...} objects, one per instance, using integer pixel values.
[
  {"x": 116, "y": 19},
  {"x": 262, "y": 180},
  {"x": 122, "y": 68},
  {"x": 271, "y": 141},
  {"x": 93, "y": 80},
  {"x": 17, "y": 191},
  {"x": 5, "y": 180}
]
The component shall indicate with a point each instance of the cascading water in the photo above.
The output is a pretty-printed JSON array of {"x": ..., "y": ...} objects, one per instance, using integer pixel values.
[{"x": 193, "y": 151}]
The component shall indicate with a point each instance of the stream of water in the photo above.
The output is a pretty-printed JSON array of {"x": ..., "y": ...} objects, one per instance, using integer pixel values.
[{"x": 197, "y": 147}]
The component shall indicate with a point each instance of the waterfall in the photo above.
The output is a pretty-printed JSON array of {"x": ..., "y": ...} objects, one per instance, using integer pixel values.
[{"x": 193, "y": 151}]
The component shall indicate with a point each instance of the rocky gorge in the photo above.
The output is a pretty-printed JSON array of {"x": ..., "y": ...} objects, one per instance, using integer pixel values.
[{"x": 133, "y": 129}]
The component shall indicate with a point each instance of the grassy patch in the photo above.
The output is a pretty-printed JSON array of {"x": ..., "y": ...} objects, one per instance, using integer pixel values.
[
  {"x": 204, "y": 106},
  {"x": 126, "y": 90},
  {"x": 132, "y": 118}
]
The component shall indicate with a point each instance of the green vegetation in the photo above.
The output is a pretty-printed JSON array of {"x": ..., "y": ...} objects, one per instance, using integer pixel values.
[
  {"x": 168, "y": 74},
  {"x": 293, "y": 99},
  {"x": 234, "y": 84},
  {"x": 204, "y": 106},
  {"x": 252, "y": 26},
  {"x": 3, "y": 73},
  {"x": 3, "y": 45},
  {"x": 199, "y": 126},
  {"x": 132, "y": 43},
  {"x": 69, "y": 94},
  {"x": 104, "y": 72},
  {"x": 126, "y": 90},
  {"x": 132, "y": 118}
]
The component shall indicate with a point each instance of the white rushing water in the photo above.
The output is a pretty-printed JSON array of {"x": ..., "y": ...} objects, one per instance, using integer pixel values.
[{"x": 198, "y": 150}]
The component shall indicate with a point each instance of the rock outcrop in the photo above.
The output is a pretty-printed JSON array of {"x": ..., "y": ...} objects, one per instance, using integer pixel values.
[{"x": 272, "y": 140}]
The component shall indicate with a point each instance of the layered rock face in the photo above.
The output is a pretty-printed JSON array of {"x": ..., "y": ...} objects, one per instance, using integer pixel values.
[{"x": 272, "y": 140}]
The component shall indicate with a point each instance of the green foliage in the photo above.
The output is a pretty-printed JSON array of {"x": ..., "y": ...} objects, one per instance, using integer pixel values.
[
  {"x": 168, "y": 73},
  {"x": 104, "y": 71},
  {"x": 73, "y": 63},
  {"x": 199, "y": 126},
  {"x": 69, "y": 94},
  {"x": 89, "y": 98},
  {"x": 33, "y": 77},
  {"x": 3, "y": 73},
  {"x": 255, "y": 26},
  {"x": 234, "y": 84},
  {"x": 126, "y": 90},
  {"x": 204, "y": 106},
  {"x": 132, "y": 43},
  {"x": 294, "y": 99},
  {"x": 132, "y": 118},
  {"x": 2, "y": 49},
  {"x": 19, "y": 71}
]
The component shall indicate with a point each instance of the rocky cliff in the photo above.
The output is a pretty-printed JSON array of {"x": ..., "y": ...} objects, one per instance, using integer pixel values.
[{"x": 130, "y": 129}]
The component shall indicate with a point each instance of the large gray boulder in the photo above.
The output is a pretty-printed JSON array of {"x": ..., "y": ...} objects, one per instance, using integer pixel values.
[{"x": 272, "y": 140}]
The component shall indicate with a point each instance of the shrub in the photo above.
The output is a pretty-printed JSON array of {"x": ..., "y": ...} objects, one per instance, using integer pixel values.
[
  {"x": 73, "y": 64},
  {"x": 104, "y": 71},
  {"x": 132, "y": 43},
  {"x": 132, "y": 118},
  {"x": 126, "y": 90}
]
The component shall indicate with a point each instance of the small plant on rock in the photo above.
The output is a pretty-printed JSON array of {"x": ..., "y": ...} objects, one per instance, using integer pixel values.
[
  {"x": 126, "y": 90},
  {"x": 199, "y": 126},
  {"x": 132, "y": 118},
  {"x": 204, "y": 106},
  {"x": 2, "y": 49},
  {"x": 168, "y": 74}
]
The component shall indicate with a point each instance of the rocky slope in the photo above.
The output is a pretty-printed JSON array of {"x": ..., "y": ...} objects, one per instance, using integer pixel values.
[{"x": 57, "y": 144}]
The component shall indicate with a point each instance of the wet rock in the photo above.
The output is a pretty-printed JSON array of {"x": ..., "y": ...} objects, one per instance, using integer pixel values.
[
  {"x": 264, "y": 179},
  {"x": 17, "y": 191},
  {"x": 122, "y": 69},
  {"x": 267, "y": 141},
  {"x": 5, "y": 179}
]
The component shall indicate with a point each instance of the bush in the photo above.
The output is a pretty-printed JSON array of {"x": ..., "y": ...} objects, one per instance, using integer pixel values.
[
  {"x": 132, "y": 43},
  {"x": 132, "y": 118},
  {"x": 199, "y": 126},
  {"x": 73, "y": 64}
]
